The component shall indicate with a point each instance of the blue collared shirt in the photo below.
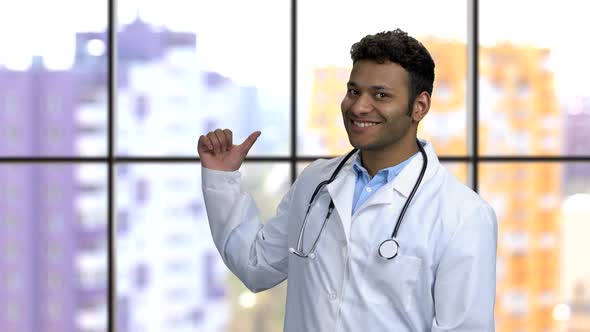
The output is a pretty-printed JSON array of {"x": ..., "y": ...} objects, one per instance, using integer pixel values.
[{"x": 365, "y": 185}]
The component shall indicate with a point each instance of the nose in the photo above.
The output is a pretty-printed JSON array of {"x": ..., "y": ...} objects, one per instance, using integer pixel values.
[{"x": 361, "y": 105}]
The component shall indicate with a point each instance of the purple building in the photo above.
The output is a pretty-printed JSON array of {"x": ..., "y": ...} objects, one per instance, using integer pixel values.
[
  {"x": 38, "y": 227},
  {"x": 577, "y": 136},
  {"x": 19, "y": 258},
  {"x": 43, "y": 235}
]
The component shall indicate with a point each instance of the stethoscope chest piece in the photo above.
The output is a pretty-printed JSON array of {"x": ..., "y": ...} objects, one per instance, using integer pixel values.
[{"x": 388, "y": 249}]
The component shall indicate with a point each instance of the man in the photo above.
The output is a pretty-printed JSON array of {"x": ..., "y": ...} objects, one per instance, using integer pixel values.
[{"x": 346, "y": 271}]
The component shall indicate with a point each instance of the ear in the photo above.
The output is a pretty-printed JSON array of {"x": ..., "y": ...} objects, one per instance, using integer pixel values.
[{"x": 421, "y": 106}]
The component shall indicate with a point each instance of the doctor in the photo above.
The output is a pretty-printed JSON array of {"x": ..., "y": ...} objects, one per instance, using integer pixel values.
[{"x": 383, "y": 239}]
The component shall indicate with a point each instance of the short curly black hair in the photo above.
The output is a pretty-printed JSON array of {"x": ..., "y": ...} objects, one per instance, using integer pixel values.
[{"x": 399, "y": 47}]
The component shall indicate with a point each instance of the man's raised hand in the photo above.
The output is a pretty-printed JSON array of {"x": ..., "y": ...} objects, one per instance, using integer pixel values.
[{"x": 218, "y": 152}]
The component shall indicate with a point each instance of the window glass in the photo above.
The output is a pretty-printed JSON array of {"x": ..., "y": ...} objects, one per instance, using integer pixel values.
[
  {"x": 543, "y": 219},
  {"x": 186, "y": 68},
  {"x": 327, "y": 30},
  {"x": 168, "y": 263},
  {"x": 53, "y": 99},
  {"x": 532, "y": 100},
  {"x": 53, "y": 247}
]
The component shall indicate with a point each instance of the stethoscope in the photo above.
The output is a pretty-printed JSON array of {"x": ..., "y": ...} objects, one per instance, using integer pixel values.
[{"x": 389, "y": 248}]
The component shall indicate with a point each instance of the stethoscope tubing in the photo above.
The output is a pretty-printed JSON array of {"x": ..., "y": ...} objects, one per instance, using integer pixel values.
[
  {"x": 311, "y": 253},
  {"x": 414, "y": 189}
]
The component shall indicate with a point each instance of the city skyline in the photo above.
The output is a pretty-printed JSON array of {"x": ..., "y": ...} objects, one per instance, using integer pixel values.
[{"x": 69, "y": 117}]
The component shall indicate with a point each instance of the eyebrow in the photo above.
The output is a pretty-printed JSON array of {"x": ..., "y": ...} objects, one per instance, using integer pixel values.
[{"x": 372, "y": 87}]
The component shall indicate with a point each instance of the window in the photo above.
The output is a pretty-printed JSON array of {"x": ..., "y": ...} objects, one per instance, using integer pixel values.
[{"x": 106, "y": 146}]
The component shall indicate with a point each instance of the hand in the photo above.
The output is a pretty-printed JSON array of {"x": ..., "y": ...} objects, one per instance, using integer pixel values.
[{"x": 218, "y": 152}]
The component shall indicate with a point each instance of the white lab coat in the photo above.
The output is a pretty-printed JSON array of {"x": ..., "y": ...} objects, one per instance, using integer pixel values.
[{"x": 443, "y": 278}]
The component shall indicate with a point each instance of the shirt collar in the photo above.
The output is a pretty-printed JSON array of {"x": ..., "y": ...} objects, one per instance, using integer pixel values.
[
  {"x": 408, "y": 175},
  {"x": 390, "y": 172}
]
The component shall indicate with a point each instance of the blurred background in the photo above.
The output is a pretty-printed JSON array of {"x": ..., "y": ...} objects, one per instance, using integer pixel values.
[{"x": 186, "y": 67}]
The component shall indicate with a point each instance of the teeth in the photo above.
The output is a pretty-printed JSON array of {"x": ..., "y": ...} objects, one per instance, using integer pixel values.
[{"x": 363, "y": 124}]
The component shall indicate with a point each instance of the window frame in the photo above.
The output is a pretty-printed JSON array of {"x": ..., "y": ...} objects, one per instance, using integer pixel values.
[{"x": 473, "y": 159}]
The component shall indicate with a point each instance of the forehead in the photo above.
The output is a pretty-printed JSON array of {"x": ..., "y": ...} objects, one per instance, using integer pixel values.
[{"x": 367, "y": 73}]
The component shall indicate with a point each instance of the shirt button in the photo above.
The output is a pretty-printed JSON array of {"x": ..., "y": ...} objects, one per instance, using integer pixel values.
[
  {"x": 368, "y": 189},
  {"x": 333, "y": 296}
]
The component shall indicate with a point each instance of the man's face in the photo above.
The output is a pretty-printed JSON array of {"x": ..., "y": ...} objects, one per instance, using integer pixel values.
[{"x": 375, "y": 107}]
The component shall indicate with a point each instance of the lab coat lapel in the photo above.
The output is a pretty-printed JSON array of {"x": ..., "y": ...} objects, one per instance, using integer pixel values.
[
  {"x": 404, "y": 182},
  {"x": 341, "y": 191}
]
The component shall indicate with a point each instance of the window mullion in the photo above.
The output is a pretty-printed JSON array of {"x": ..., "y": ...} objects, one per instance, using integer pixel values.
[
  {"x": 472, "y": 91},
  {"x": 111, "y": 225}
]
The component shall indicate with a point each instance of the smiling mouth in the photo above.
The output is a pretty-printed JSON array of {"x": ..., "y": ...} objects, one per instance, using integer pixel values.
[{"x": 363, "y": 124}]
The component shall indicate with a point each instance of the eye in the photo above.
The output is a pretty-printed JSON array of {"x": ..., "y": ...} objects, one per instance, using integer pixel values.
[
  {"x": 351, "y": 92},
  {"x": 380, "y": 95}
]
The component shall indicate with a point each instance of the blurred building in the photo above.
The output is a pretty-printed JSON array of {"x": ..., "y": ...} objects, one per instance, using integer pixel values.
[
  {"x": 170, "y": 277},
  {"x": 577, "y": 122},
  {"x": 53, "y": 257},
  {"x": 576, "y": 175},
  {"x": 520, "y": 115},
  {"x": 576, "y": 216},
  {"x": 575, "y": 275},
  {"x": 53, "y": 262},
  {"x": 165, "y": 92},
  {"x": 579, "y": 319}
]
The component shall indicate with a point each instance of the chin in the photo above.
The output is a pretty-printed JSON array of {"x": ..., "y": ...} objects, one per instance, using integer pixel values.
[{"x": 362, "y": 145}]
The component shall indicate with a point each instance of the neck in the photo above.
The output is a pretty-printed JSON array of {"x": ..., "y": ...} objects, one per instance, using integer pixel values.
[{"x": 376, "y": 160}]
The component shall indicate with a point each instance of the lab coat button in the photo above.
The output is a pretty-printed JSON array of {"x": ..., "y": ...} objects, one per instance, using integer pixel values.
[
  {"x": 333, "y": 296},
  {"x": 369, "y": 189}
]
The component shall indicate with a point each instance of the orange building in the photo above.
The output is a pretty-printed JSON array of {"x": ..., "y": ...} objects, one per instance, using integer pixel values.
[{"x": 521, "y": 116}]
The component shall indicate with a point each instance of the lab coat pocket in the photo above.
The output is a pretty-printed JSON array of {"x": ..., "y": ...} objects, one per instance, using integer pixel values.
[{"x": 392, "y": 281}]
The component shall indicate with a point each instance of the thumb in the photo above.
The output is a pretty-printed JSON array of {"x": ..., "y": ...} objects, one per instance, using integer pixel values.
[{"x": 247, "y": 144}]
